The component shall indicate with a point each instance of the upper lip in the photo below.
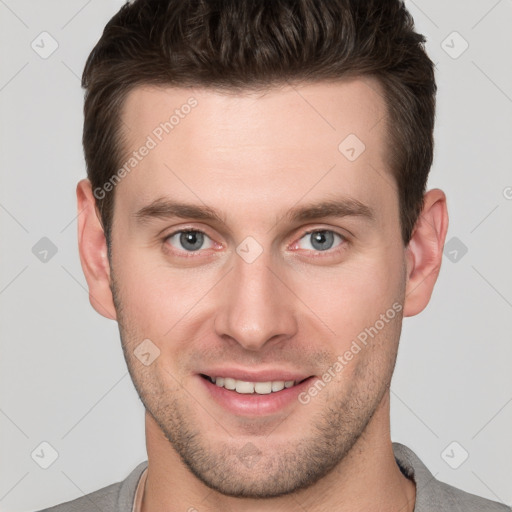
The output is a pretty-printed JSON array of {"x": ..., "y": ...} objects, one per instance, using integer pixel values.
[{"x": 270, "y": 375}]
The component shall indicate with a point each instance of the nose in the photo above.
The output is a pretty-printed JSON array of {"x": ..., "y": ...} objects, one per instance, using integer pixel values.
[{"x": 256, "y": 305}]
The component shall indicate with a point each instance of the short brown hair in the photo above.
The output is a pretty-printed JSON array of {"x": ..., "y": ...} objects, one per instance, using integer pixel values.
[{"x": 244, "y": 44}]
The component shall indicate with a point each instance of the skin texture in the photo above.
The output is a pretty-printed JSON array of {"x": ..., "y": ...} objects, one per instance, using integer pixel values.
[{"x": 252, "y": 157}]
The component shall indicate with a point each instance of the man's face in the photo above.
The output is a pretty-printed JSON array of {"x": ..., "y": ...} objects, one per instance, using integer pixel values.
[{"x": 259, "y": 289}]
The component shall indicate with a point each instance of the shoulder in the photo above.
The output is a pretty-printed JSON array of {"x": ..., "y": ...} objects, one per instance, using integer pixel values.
[
  {"x": 114, "y": 497},
  {"x": 433, "y": 495}
]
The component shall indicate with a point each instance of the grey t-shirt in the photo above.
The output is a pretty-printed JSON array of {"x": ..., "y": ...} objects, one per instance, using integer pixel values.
[{"x": 431, "y": 494}]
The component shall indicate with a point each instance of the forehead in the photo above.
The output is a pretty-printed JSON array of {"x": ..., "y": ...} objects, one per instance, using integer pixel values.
[
  {"x": 269, "y": 147},
  {"x": 330, "y": 109}
]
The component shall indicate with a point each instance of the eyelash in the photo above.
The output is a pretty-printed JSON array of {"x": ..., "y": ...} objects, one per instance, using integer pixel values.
[{"x": 194, "y": 254}]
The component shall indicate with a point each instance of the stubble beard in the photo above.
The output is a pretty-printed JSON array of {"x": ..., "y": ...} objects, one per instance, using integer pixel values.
[{"x": 261, "y": 469}]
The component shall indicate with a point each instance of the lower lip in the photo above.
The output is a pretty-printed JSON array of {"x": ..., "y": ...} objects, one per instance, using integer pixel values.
[{"x": 254, "y": 404}]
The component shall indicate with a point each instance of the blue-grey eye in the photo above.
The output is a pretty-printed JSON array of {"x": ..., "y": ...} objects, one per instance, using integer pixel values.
[
  {"x": 321, "y": 240},
  {"x": 189, "y": 240}
]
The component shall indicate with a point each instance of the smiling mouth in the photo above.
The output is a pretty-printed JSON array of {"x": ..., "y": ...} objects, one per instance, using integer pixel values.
[{"x": 254, "y": 388}]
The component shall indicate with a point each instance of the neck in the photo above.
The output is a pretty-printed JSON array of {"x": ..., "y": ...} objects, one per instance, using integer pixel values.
[{"x": 368, "y": 477}]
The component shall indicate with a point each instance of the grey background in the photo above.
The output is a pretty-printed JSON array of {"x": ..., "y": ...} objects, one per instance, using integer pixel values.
[{"x": 63, "y": 376}]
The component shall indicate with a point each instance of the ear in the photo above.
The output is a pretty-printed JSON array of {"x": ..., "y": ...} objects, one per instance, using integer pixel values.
[
  {"x": 424, "y": 252},
  {"x": 92, "y": 246}
]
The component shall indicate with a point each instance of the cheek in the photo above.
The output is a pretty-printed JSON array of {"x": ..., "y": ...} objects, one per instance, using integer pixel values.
[
  {"x": 158, "y": 300},
  {"x": 351, "y": 297}
]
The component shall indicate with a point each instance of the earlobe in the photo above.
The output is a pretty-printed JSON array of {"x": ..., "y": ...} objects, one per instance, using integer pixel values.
[
  {"x": 424, "y": 252},
  {"x": 92, "y": 247}
]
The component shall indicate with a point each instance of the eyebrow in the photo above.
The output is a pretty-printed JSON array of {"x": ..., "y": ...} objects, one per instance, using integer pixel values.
[
  {"x": 346, "y": 207},
  {"x": 163, "y": 208}
]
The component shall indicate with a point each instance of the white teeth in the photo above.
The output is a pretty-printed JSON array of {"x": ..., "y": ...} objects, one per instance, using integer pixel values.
[
  {"x": 278, "y": 385},
  {"x": 263, "y": 388},
  {"x": 229, "y": 383},
  {"x": 244, "y": 387}
]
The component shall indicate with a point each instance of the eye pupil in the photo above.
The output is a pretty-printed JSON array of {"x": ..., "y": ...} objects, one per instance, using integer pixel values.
[
  {"x": 322, "y": 240},
  {"x": 191, "y": 240}
]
